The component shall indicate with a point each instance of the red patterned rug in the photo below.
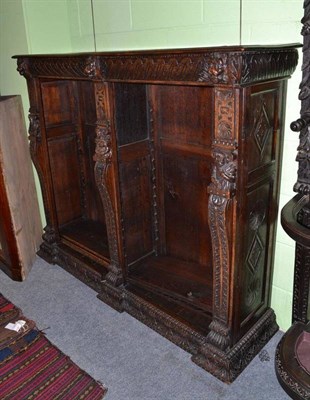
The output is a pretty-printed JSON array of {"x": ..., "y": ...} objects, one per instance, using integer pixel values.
[{"x": 31, "y": 367}]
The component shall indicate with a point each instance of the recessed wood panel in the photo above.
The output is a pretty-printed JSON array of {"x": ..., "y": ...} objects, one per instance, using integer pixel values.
[
  {"x": 185, "y": 114},
  {"x": 65, "y": 169},
  {"x": 59, "y": 102},
  {"x": 259, "y": 217},
  {"x": 186, "y": 207},
  {"x": 130, "y": 113},
  {"x": 136, "y": 194},
  {"x": 262, "y": 127}
]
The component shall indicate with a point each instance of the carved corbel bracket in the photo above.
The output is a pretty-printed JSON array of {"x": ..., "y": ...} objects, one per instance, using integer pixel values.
[
  {"x": 103, "y": 162},
  {"x": 23, "y": 68},
  {"x": 221, "y": 192},
  {"x": 34, "y": 129}
]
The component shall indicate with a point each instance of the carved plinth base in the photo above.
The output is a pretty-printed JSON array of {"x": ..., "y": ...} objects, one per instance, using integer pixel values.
[
  {"x": 164, "y": 324},
  {"x": 48, "y": 253},
  {"x": 54, "y": 254},
  {"x": 113, "y": 296},
  {"x": 227, "y": 365}
]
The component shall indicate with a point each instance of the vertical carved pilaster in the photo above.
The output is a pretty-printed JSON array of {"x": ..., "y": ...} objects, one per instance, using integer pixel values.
[
  {"x": 153, "y": 177},
  {"x": 301, "y": 283},
  {"x": 50, "y": 236},
  {"x": 34, "y": 131},
  {"x": 221, "y": 191},
  {"x": 302, "y": 185},
  {"x": 103, "y": 176},
  {"x": 35, "y": 141}
]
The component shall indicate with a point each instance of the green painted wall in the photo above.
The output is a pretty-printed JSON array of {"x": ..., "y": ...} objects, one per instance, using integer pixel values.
[
  {"x": 12, "y": 41},
  {"x": 136, "y": 24},
  {"x": 60, "y": 26},
  {"x": 47, "y": 26}
]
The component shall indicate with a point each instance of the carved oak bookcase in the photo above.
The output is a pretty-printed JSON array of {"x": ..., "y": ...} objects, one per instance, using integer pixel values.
[{"x": 160, "y": 177}]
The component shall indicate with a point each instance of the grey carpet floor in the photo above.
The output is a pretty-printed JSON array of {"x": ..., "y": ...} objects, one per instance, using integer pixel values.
[{"x": 132, "y": 360}]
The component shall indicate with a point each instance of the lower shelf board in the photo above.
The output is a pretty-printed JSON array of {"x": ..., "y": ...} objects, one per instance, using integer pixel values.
[
  {"x": 196, "y": 319},
  {"x": 88, "y": 235},
  {"x": 180, "y": 288}
]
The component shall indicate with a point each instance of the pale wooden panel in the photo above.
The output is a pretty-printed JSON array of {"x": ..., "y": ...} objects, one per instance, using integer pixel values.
[{"x": 21, "y": 228}]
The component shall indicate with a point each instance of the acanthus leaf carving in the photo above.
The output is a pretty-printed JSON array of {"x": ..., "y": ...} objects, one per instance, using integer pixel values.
[
  {"x": 221, "y": 192},
  {"x": 223, "y": 179},
  {"x": 34, "y": 127},
  {"x": 215, "y": 70},
  {"x": 103, "y": 152}
]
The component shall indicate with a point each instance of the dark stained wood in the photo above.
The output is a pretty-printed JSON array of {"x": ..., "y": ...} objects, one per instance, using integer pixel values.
[
  {"x": 20, "y": 223},
  {"x": 294, "y": 379},
  {"x": 295, "y": 219},
  {"x": 160, "y": 177}
]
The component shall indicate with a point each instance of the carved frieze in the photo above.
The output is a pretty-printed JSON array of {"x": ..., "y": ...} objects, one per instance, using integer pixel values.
[
  {"x": 227, "y": 66},
  {"x": 59, "y": 66}
]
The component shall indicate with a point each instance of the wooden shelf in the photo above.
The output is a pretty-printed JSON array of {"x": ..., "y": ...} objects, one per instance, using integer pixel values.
[
  {"x": 182, "y": 289},
  {"x": 88, "y": 235},
  {"x": 190, "y": 281}
]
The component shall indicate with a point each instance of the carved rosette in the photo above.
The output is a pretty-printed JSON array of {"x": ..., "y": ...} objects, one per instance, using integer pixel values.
[
  {"x": 215, "y": 70},
  {"x": 92, "y": 67},
  {"x": 221, "y": 191},
  {"x": 103, "y": 162}
]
